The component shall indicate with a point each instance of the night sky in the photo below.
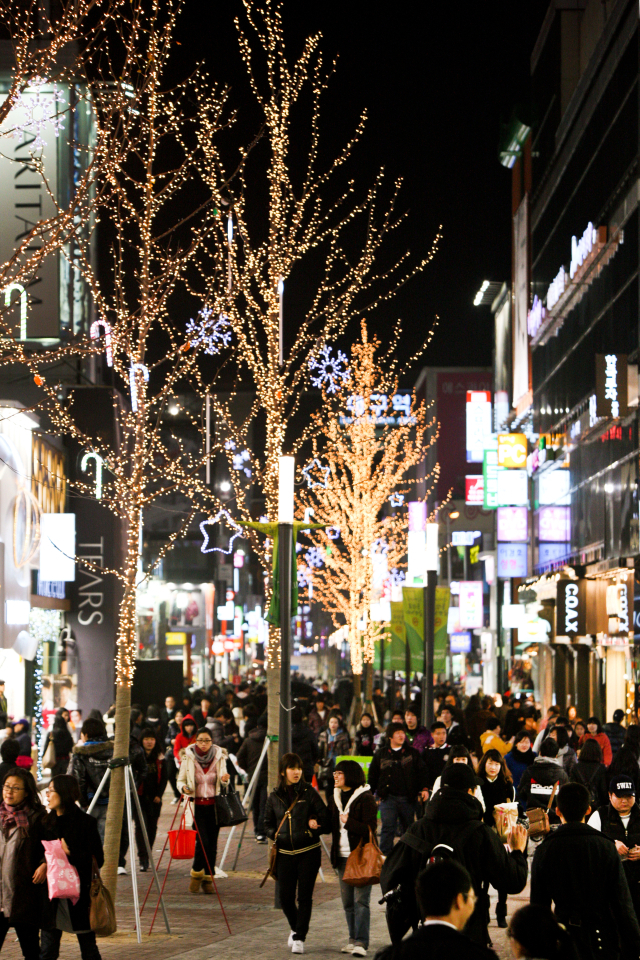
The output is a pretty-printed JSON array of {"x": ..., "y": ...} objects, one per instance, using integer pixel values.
[{"x": 437, "y": 80}]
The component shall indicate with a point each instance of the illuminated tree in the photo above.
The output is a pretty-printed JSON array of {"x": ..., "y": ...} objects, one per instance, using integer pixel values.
[
  {"x": 357, "y": 483},
  {"x": 291, "y": 224},
  {"x": 154, "y": 211}
]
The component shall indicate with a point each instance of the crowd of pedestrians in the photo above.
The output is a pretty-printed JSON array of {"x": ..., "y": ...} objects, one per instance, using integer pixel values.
[{"x": 438, "y": 796}]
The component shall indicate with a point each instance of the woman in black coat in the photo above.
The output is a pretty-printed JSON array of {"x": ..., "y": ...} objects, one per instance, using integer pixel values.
[
  {"x": 150, "y": 793},
  {"x": 81, "y": 843},
  {"x": 591, "y": 773},
  {"x": 62, "y": 743},
  {"x": 497, "y": 787},
  {"x": 353, "y": 812},
  {"x": 300, "y": 810}
]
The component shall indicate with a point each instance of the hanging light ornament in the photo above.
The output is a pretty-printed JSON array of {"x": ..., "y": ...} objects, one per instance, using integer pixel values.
[
  {"x": 94, "y": 333},
  {"x": 133, "y": 369},
  {"x": 35, "y": 109},
  {"x": 333, "y": 372},
  {"x": 213, "y": 520},
  {"x": 209, "y": 334}
]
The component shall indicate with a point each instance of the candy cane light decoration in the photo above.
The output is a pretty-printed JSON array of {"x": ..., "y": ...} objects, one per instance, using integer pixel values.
[
  {"x": 94, "y": 333},
  {"x": 132, "y": 382}
]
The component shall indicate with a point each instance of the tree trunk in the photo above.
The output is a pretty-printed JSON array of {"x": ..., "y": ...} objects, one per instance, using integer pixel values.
[
  {"x": 113, "y": 828},
  {"x": 273, "y": 704}
]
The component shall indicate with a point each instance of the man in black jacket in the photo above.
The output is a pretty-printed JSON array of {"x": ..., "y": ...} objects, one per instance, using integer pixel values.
[
  {"x": 620, "y": 821},
  {"x": 88, "y": 764},
  {"x": 615, "y": 731},
  {"x": 304, "y": 743},
  {"x": 248, "y": 758},
  {"x": 447, "y": 900},
  {"x": 437, "y": 754},
  {"x": 397, "y": 774},
  {"x": 454, "y": 818},
  {"x": 579, "y": 871}
]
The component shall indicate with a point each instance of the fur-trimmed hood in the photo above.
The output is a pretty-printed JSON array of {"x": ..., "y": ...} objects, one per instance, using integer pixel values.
[{"x": 94, "y": 748}]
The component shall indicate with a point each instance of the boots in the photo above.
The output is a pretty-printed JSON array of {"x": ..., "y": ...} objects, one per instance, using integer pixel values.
[
  {"x": 501, "y": 914},
  {"x": 197, "y": 877},
  {"x": 207, "y": 884}
]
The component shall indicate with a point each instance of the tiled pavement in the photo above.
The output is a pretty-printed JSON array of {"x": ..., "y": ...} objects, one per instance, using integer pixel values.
[{"x": 258, "y": 930}]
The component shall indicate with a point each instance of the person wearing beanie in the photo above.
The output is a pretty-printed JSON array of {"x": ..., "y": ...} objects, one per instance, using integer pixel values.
[{"x": 453, "y": 823}]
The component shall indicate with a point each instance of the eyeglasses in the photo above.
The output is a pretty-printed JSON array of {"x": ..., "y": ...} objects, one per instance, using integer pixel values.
[
  {"x": 13, "y": 789},
  {"x": 204, "y": 741}
]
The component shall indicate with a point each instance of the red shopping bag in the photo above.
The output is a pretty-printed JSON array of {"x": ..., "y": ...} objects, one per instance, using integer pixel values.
[
  {"x": 182, "y": 842},
  {"x": 62, "y": 879}
]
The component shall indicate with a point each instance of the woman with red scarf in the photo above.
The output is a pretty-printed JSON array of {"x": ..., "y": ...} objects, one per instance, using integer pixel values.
[
  {"x": 204, "y": 768},
  {"x": 22, "y": 863}
]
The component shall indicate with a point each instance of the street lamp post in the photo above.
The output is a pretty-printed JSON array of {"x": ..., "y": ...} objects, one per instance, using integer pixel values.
[
  {"x": 285, "y": 553},
  {"x": 428, "y": 617}
]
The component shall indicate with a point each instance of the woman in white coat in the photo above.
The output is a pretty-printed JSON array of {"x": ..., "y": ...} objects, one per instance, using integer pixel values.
[{"x": 203, "y": 770}]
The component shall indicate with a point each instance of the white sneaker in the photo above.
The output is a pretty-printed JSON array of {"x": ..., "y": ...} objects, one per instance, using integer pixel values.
[
  {"x": 122, "y": 872},
  {"x": 358, "y": 951},
  {"x": 348, "y": 948},
  {"x": 290, "y": 940},
  {"x": 297, "y": 946},
  {"x": 220, "y": 874}
]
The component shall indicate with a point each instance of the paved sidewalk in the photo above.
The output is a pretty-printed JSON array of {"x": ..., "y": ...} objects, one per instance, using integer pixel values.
[{"x": 198, "y": 929}]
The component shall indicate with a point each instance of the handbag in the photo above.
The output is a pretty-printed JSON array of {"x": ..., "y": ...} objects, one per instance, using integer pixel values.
[
  {"x": 49, "y": 758},
  {"x": 539, "y": 817},
  {"x": 364, "y": 864},
  {"x": 102, "y": 916},
  {"x": 273, "y": 853},
  {"x": 63, "y": 880},
  {"x": 505, "y": 817},
  {"x": 229, "y": 809}
]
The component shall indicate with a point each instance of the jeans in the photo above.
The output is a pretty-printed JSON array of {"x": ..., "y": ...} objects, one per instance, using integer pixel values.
[
  {"x": 297, "y": 870},
  {"x": 258, "y": 805},
  {"x": 50, "y": 949},
  {"x": 27, "y": 934},
  {"x": 355, "y": 901},
  {"x": 392, "y": 810},
  {"x": 205, "y": 817},
  {"x": 99, "y": 813}
]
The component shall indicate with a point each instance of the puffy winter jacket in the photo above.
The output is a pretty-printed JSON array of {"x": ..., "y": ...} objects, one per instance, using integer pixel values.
[
  {"x": 536, "y": 785},
  {"x": 616, "y": 734},
  {"x": 249, "y": 754},
  {"x": 88, "y": 765},
  {"x": 401, "y": 772},
  {"x": 296, "y": 834},
  {"x": 420, "y": 738},
  {"x": 183, "y": 739}
]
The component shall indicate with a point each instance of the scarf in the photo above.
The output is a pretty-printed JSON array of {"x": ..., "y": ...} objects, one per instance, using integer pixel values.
[
  {"x": 337, "y": 796},
  {"x": 14, "y": 817},
  {"x": 205, "y": 759}
]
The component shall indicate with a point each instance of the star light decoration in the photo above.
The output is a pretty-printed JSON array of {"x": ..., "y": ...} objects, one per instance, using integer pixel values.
[
  {"x": 37, "y": 110},
  {"x": 324, "y": 470},
  {"x": 333, "y": 372},
  {"x": 209, "y": 334},
  {"x": 333, "y": 533},
  {"x": 396, "y": 499},
  {"x": 213, "y": 520}
]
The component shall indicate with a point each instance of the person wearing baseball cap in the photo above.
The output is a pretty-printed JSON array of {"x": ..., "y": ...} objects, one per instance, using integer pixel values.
[{"x": 620, "y": 820}]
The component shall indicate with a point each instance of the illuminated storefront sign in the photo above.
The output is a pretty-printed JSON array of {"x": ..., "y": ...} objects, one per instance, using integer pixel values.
[
  {"x": 611, "y": 385},
  {"x": 512, "y": 560},
  {"x": 478, "y": 423},
  {"x": 571, "y": 612},
  {"x": 513, "y": 524},
  {"x": 513, "y": 488},
  {"x": 474, "y": 490},
  {"x": 554, "y": 524},
  {"x": 471, "y": 604},
  {"x": 553, "y": 488},
  {"x": 512, "y": 450},
  {"x": 536, "y": 316}
]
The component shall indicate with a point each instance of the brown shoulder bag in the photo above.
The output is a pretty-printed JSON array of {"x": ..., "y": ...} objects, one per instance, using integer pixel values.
[
  {"x": 364, "y": 864},
  {"x": 102, "y": 916},
  {"x": 539, "y": 817},
  {"x": 273, "y": 853}
]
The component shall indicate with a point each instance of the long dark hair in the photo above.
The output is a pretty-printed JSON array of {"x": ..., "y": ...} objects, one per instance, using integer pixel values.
[
  {"x": 597, "y": 722},
  {"x": 68, "y": 789},
  {"x": 538, "y": 932},
  {"x": 505, "y": 774},
  {"x": 155, "y": 750},
  {"x": 590, "y": 752},
  {"x": 32, "y": 797}
]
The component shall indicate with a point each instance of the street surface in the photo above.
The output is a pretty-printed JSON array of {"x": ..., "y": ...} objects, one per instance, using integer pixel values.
[{"x": 257, "y": 929}]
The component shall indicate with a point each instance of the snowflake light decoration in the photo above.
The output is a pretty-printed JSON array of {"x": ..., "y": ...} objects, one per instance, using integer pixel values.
[
  {"x": 333, "y": 533},
  {"x": 304, "y": 577},
  {"x": 36, "y": 109},
  {"x": 325, "y": 471},
  {"x": 333, "y": 372},
  {"x": 209, "y": 334},
  {"x": 380, "y": 546},
  {"x": 398, "y": 577},
  {"x": 396, "y": 499},
  {"x": 213, "y": 520},
  {"x": 314, "y": 557}
]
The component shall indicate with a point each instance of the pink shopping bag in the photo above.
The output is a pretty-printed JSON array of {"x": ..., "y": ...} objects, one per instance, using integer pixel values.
[{"x": 62, "y": 879}]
